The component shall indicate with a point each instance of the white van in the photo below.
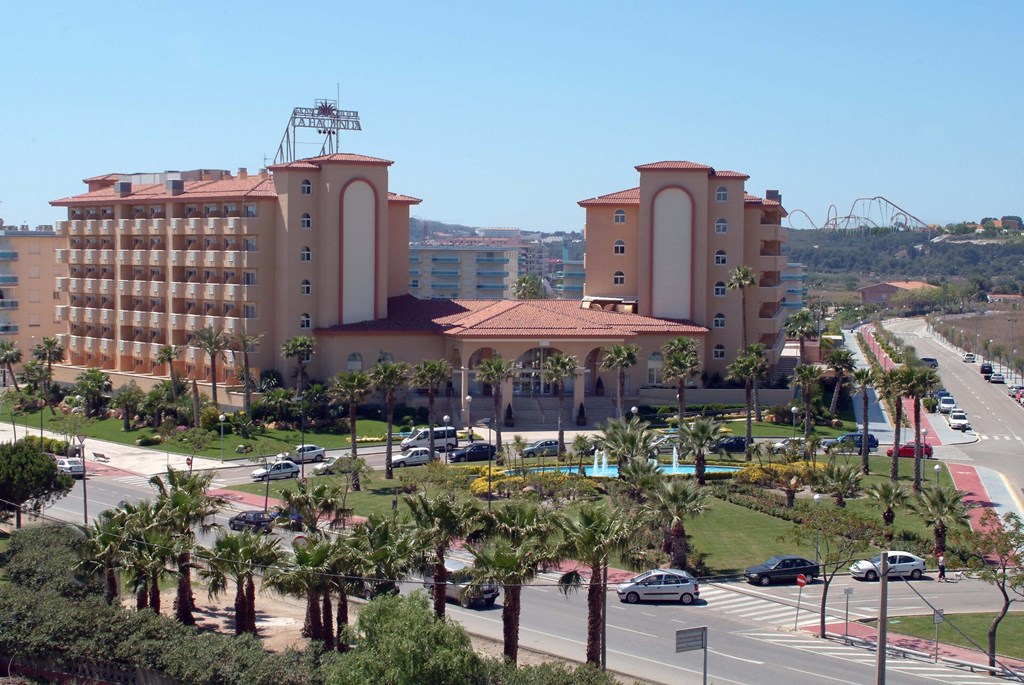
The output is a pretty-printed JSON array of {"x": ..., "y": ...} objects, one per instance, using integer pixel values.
[{"x": 445, "y": 439}]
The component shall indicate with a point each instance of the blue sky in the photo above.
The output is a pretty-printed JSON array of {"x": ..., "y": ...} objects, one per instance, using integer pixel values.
[{"x": 507, "y": 116}]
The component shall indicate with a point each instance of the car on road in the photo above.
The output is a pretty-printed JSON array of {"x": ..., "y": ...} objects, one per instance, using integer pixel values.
[
  {"x": 985, "y": 369},
  {"x": 855, "y": 440},
  {"x": 71, "y": 466},
  {"x": 542, "y": 448},
  {"x": 947, "y": 404},
  {"x": 930, "y": 362},
  {"x": 1013, "y": 390},
  {"x": 257, "y": 521},
  {"x": 459, "y": 588},
  {"x": 659, "y": 585},
  {"x": 900, "y": 564},
  {"x": 333, "y": 465},
  {"x": 283, "y": 468},
  {"x": 737, "y": 443},
  {"x": 907, "y": 450},
  {"x": 417, "y": 456},
  {"x": 781, "y": 568},
  {"x": 969, "y": 357},
  {"x": 478, "y": 451},
  {"x": 789, "y": 444},
  {"x": 307, "y": 453},
  {"x": 996, "y": 378},
  {"x": 958, "y": 420}
]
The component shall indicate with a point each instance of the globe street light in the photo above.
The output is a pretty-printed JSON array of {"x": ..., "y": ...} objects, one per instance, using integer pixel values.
[
  {"x": 302, "y": 448},
  {"x": 635, "y": 411},
  {"x": 222, "y": 418},
  {"x": 795, "y": 411},
  {"x": 469, "y": 424},
  {"x": 938, "y": 470},
  {"x": 446, "y": 420}
]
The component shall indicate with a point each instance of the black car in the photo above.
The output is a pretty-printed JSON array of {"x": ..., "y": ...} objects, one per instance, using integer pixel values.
[
  {"x": 782, "y": 568},
  {"x": 853, "y": 441},
  {"x": 986, "y": 370},
  {"x": 930, "y": 361},
  {"x": 258, "y": 521},
  {"x": 733, "y": 444},
  {"x": 480, "y": 451}
]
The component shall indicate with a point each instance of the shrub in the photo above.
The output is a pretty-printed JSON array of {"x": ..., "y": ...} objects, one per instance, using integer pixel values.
[
  {"x": 46, "y": 558},
  {"x": 149, "y": 440}
]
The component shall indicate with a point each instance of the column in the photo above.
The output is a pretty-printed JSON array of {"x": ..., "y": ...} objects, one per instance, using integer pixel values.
[{"x": 578, "y": 391}]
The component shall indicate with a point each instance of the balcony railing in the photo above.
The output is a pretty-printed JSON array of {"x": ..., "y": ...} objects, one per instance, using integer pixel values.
[
  {"x": 8, "y": 329},
  {"x": 8, "y": 304},
  {"x": 8, "y": 255}
]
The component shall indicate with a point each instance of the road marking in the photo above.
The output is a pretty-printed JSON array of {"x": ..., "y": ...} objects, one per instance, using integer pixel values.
[
  {"x": 737, "y": 658},
  {"x": 819, "y": 675},
  {"x": 630, "y": 630}
]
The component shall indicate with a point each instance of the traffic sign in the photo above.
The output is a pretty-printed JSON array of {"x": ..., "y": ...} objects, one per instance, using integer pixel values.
[
  {"x": 188, "y": 461},
  {"x": 689, "y": 639},
  {"x": 938, "y": 616},
  {"x": 303, "y": 480},
  {"x": 801, "y": 580}
]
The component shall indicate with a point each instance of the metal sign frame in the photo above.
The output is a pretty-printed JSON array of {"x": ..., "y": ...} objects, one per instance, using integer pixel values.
[{"x": 690, "y": 639}]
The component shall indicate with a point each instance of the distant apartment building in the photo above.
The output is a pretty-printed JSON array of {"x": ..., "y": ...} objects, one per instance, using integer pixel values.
[
  {"x": 28, "y": 284},
  {"x": 568, "y": 278},
  {"x": 794, "y": 276},
  {"x": 464, "y": 271}
]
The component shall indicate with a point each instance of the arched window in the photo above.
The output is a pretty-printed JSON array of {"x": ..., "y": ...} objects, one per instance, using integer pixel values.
[
  {"x": 719, "y": 321},
  {"x": 619, "y": 278},
  {"x": 620, "y": 216},
  {"x": 305, "y": 255},
  {"x": 721, "y": 194},
  {"x": 719, "y": 289},
  {"x": 620, "y": 247},
  {"x": 306, "y": 288},
  {"x": 307, "y": 221},
  {"x": 720, "y": 259},
  {"x": 718, "y": 352},
  {"x": 721, "y": 226},
  {"x": 306, "y": 187},
  {"x": 355, "y": 362},
  {"x": 305, "y": 321},
  {"x": 654, "y": 364}
]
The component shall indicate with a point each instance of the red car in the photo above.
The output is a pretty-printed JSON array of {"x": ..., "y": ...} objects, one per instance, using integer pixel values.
[{"x": 907, "y": 450}]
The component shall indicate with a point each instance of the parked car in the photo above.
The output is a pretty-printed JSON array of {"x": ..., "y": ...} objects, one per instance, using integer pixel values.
[
  {"x": 900, "y": 564},
  {"x": 789, "y": 444},
  {"x": 930, "y": 361},
  {"x": 478, "y": 451},
  {"x": 446, "y": 438},
  {"x": 71, "y": 466},
  {"x": 996, "y": 378},
  {"x": 257, "y": 521},
  {"x": 458, "y": 586},
  {"x": 958, "y": 420},
  {"x": 782, "y": 568},
  {"x": 332, "y": 465},
  {"x": 736, "y": 443},
  {"x": 986, "y": 369},
  {"x": 659, "y": 585},
  {"x": 907, "y": 450},
  {"x": 307, "y": 453},
  {"x": 969, "y": 357},
  {"x": 276, "y": 471},
  {"x": 1012, "y": 390},
  {"x": 940, "y": 393},
  {"x": 855, "y": 440},
  {"x": 417, "y": 456},
  {"x": 542, "y": 448}
]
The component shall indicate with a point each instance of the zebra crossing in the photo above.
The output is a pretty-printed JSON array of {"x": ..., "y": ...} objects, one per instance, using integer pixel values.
[
  {"x": 930, "y": 671},
  {"x": 1019, "y": 438},
  {"x": 737, "y": 604}
]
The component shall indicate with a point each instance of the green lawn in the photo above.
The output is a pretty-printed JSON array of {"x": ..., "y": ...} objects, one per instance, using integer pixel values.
[{"x": 1009, "y": 639}]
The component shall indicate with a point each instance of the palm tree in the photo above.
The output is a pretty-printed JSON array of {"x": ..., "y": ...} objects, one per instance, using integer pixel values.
[
  {"x": 581, "y": 448},
  {"x": 801, "y": 326},
  {"x": 351, "y": 388},
  {"x": 48, "y": 351},
  {"x": 840, "y": 360},
  {"x": 863, "y": 380},
  {"x": 620, "y": 358},
  {"x": 388, "y": 377},
  {"x": 626, "y": 440},
  {"x": 675, "y": 501},
  {"x": 35, "y": 376},
  {"x": 888, "y": 497},
  {"x": 390, "y": 548},
  {"x": 304, "y": 574},
  {"x": 243, "y": 342},
  {"x": 167, "y": 354},
  {"x": 301, "y": 347},
  {"x": 105, "y": 549},
  {"x": 440, "y": 521},
  {"x": 892, "y": 384},
  {"x": 184, "y": 505},
  {"x": 429, "y": 374},
  {"x": 842, "y": 482},
  {"x": 494, "y": 371},
  {"x": 214, "y": 343},
  {"x": 807, "y": 378},
  {"x": 148, "y": 552},
  {"x": 681, "y": 364},
  {"x": 238, "y": 558},
  {"x": 942, "y": 509},
  {"x": 557, "y": 368},
  {"x": 920, "y": 381},
  {"x": 641, "y": 476},
  {"x": 91, "y": 385},
  {"x": 700, "y": 438},
  {"x": 312, "y": 503},
  {"x": 592, "y": 536},
  {"x": 511, "y": 566},
  {"x": 747, "y": 367},
  {"x": 9, "y": 356},
  {"x": 739, "y": 279},
  {"x": 128, "y": 398}
]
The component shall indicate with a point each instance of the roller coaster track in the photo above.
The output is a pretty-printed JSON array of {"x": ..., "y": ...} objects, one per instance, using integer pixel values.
[{"x": 867, "y": 214}]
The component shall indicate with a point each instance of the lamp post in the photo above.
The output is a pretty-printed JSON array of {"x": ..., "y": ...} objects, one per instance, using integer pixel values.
[
  {"x": 795, "y": 411},
  {"x": 302, "y": 445},
  {"x": 222, "y": 418},
  {"x": 41, "y": 403},
  {"x": 1012, "y": 321},
  {"x": 938, "y": 470},
  {"x": 490, "y": 453},
  {"x": 469, "y": 423},
  {"x": 446, "y": 420},
  {"x": 634, "y": 411},
  {"x": 85, "y": 477},
  {"x": 817, "y": 533}
]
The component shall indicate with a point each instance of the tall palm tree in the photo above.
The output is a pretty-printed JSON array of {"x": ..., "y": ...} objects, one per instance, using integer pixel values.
[
  {"x": 641, "y": 477},
  {"x": 681, "y": 364},
  {"x": 304, "y": 574},
  {"x": 494, "y": 371},
  {"x": 626, "y": 440},
  {"x": 557, "y": 368},
  {"x": 391, "y": 549},
  {"x": 183, "y": 506},
  {"x": 807, "y": 378},
  {"x": 10, "y": 355},
  {"x": 314, "y": 503},
  {"x": 238, "y": 558},
  {"x": 700, "y": 438},
  {"x": 104, "y": 551},
  {"x": 351, "y": 388},
  {"x": 920, "y": 381},
  {"x": 864, "y": 380},
  {"x": 429, "y": 374},
  {"x": 214, "y": 343},
  {"x": 148, "y": 552},
  {"x": 35, "y": 376},
  {"x": 48, "y": 351},
  {"x": 801, "y": 326},
  {"x": 128, "y": 399},
  {"x": 620, "y": 358},
  {"x": 167, "y": 354},
  {"x": 243, "y": 342},
  {"x": 676, "y": 501},
  {"x": 740, "y": 279},
  {"x": 91, "y": 385},
  {"x": 592, "y": 536},
  {"x": 888, "y": 497},
  {"x": 892, "y": 384},
  {"x": 840, "y": 360},
  {"x": 440, "y": 521},
  {"x": 388, "y": 378},
  {"x": 747, "y": 367},
  {"x": 300, "y": 348},
  {"x": 942, "y": 509}
]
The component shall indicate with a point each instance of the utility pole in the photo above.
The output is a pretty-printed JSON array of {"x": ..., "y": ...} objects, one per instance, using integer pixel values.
[{"x": 883, "y": 619}]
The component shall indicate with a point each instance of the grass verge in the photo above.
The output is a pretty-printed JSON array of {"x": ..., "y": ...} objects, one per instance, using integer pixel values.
[{"x": 1009, "y": 639}]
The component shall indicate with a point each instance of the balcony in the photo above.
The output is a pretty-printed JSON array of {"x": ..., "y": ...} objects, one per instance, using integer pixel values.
[
  {"x": 107, "y": 227},
  {"x": 75, "y": 257},
  {"x": 74, "y": 285},
  {"x": 106, "y": 345},
  {"x": 8, "y": 329},
  {"x": 8, "y": 304},
  {"x": 157, "y": 257},
  {"x": 193, "y": 257},
  {"x": 61, "y": 255},
  {"x": 194, "y": 321},
  {"x": 445, "y": 272},
  {"x": 236, "y": 293},
  {"x": 75, "y": 314},
  {"x": 107, "y": 257},
  {"x": 75, "y": 343},
  {"x": 8, "y": 255},
  {"x": 123, "y": 225},
  {"x": 140, "y": 257},
  {"x": 233, "y": 324},
  {"x": 772, "y": 232},
  {"x": 445, "y": 260},
  {"x": 769, "y": 261},
  {"x": 194, "y": 226},
  {"x": 90, "y": 316},
  {"x": 211, "y": 259},
  {"x": 62, "y": 312},
  {"x": 106, "y": 286},
  {"x": 490, "y": 286},
  {"x": 492, "y": 274},
  {"x": 107, "y": 316},
  {"x": 91, "y": 226},
  {"x": 492, "y": 260},
  {"x": 91, "y": 286},
  {"x": 139, "y": 226},
  {"x": 157, "y": 319},
  {"x": 157, "y": 289},
  {"x": 214, "y": 224},
  {"x": 156, "y": 225},
  {"x": 192, "y": 290},
  {"x": 211, "y": 321},
  {"x": 212, "y": 291}
]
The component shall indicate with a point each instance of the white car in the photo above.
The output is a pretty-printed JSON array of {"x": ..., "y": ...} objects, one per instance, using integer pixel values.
[
  {"x": 900, "y": 564},
  {"x": 996, "y": 378},
  {"x": 73, "y": 467},
  {"x": 308, "y": 453},
  {"x": 789, "y": 443},
  {"x": 947, "y": 404},
  {"x": 332, "y": 465},
  {"x": 276, "y": 471},
  {"x": 958, "y": 420},
  {"x": 414, "y": 457},
  {"x": 969, "y": 357}
]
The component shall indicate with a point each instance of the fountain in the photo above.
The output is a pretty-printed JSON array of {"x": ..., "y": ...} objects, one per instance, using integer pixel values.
[
  {"x": 604, "y": 462},
  {"x": 675, "y": 457},
  {"x": 595, "y": 462}
]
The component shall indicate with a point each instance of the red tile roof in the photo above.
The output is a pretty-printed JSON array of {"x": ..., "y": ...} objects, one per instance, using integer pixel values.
[
  {"x": 755, "y": 200},
  {"x": 623, "y": 197},
  {"x": 102, "y": 177},
  {"x": 336, "y": 158},
  {"x": 403, "y": 199},
  {"x": 675, "y": 166},
  {"x": 511, "y": 319},
  {"x": 234, "y": 188},
  {"x": 731, "y": 174}
]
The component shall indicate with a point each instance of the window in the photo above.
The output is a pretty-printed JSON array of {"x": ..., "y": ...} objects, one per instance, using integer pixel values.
[
  {"x": 414, "y": 283},
  {"x": 620, "y": 247},
  {"x": 307, "y": 357},
  {"x": 306, "y": 187},
  {"x": 249, "y": 245},
  {"x": 720, "y": 259},
  {"x": 718, "y": 352},
  {"x": 355, "y": 362},
  {"x": 654, "y": 364},
  {"x": 305, "y": 255},
  {"x": 619, "y": 278},
  {"x": 721, "y": 226},
  {"x": 249, "y": 311},
  {"x": 305, "y": 321},
  {"x": 719, "y": 289},
  {"x": 211, "y": 210},
  {"x": 306, "y": 288},
  {"x": 721, "y": 194},
  {"x": 249, "y": 211},
  {"x": 620, "y": 216},
  {"x": 249, "y": 278},
  {"x": 719, "y": 321},
  {"x": 307, "y": 221}
]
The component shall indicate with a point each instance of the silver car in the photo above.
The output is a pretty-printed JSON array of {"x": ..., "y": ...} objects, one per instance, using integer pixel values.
[
  {"x": 659, "y": 585},
  {"x": 73, "y": 467},
  {"x": 459, "y": 588}
]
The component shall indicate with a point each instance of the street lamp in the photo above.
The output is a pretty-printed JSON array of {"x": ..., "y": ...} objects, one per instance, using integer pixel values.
[
  {"x": 85, "y": 477},
  {"x": 469, "y": 424},
  {"x": 222, "y": 420},
  {"x": 924, "y": 439},
  {"x": 634, "y": 411},
  {"x": 446, "y": 420},
  {"x": 938, "y": 470},
  {"x": 795, "y": 411},
  {"x": 817, "y": 532},
  {"x": 490, "y": 453},
  {"x": 41, "y": 403},
  {"x": 302, "y": 424}
]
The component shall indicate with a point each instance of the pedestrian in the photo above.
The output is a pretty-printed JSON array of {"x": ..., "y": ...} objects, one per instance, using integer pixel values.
[{"x": 942, "y": 568}]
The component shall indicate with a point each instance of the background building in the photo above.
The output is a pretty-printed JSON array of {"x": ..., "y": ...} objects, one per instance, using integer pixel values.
[
  {"x": 467, "y": 271},
  {"x": 28, "y": 283},
  {"x": 880, "y": 293}
]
